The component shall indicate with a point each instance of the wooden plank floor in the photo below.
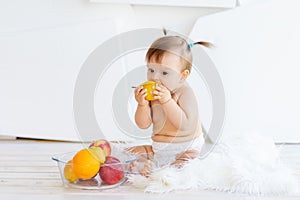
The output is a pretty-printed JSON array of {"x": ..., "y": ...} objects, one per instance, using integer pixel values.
[{"x": 27, "y": 172}]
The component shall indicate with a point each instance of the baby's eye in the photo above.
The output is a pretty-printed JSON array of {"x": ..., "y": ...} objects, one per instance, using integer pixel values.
[
  {"x": 165, "y": 73},
  {"x": 150, "y": 70}
]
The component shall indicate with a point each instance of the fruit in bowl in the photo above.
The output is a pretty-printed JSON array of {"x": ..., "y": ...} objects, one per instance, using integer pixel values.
[
  {"x": 69, "y": 173},
  {"x": 90, "y": 168},
  {"x": 86, "y": 162},
  {"x": 111, "y": 171},
  {"x": 103, "y": 144}
]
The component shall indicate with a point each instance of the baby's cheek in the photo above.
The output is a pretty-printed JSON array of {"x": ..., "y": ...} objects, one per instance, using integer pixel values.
[{"x": 171, "y": 83}]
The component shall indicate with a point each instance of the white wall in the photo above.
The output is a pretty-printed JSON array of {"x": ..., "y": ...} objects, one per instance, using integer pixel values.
[
  {"x": 44, "y": 43},
  {"x": 42, "y": 47},
  {"x": 257, "y": 56}
]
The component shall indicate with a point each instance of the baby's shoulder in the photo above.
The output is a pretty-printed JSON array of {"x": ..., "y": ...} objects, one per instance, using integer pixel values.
[{"x": 185, "y": 91}]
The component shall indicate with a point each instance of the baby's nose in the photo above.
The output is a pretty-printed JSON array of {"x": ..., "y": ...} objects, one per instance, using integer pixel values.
[
  {"x": 156, "y": 80},
  {"x": 155, "y": 77}
]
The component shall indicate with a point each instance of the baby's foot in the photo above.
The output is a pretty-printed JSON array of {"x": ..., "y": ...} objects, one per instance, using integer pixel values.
[
  {"x": 144, "y": 168},
  {"x": 133, "y": 167},
  {"x": 147, "y": 169}
]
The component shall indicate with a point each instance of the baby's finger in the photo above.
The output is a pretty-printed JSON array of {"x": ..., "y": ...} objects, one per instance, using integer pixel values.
[
  {"x": 157, "y": 87},
  {"x": 157, "y": 97},
  {"x": 155, "y": 92},
  {"x": 138, "y": 89},
  {"x": 144, "y": 95},
  {"x": 143, "y": 92}
]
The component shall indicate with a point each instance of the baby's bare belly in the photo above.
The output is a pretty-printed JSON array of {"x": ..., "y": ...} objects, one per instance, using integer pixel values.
[{"x": 175, "y": 137}]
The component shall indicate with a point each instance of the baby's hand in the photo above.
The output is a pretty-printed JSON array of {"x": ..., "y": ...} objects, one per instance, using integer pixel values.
[
  {"x": 140, "y": 95},
  {"x": 162, "y": 93}
]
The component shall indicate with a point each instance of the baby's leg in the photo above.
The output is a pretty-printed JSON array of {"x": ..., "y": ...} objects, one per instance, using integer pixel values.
[
  {"x": 145, "y": 157},
  {"x": 184, "y": 157}
]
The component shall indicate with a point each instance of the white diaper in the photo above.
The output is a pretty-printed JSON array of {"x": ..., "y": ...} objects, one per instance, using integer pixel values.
[{"x": 165, "y": 153}]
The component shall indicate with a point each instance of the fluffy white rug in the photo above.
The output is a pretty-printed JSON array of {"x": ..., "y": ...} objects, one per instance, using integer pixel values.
[{"x": 245, "y": 165}]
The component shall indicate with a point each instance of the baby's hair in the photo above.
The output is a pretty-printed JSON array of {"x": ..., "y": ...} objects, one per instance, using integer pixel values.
[
  {"x": 176, "y": 45},
  {"x": 206, "y": 44}
]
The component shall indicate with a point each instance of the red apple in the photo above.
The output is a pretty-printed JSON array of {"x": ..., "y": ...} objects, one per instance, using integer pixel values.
[
  {"x": 111, "y": 171},
  {"x": 104, "y": 145}
]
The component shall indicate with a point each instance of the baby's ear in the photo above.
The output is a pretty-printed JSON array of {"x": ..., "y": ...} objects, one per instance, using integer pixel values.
[{"x": 185, "y": 73}]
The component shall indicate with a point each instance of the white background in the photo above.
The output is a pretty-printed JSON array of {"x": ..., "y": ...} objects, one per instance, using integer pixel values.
[
  {"x": 42, "y": 47},
  {"x": 44, "y": 43},
  {"x": 257, "y": 56}
]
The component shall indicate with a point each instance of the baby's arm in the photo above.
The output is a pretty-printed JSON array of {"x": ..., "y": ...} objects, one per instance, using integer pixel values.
[
  {"x": 143, "y": 117},
  {"x": 184, "y": 115}
]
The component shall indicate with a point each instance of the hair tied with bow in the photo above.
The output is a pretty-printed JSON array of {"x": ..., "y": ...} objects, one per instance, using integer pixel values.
[{"x": 191, "y": 45}]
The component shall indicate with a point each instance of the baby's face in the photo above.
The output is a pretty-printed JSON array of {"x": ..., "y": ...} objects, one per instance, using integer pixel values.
[{"x": 168, "y": 71}]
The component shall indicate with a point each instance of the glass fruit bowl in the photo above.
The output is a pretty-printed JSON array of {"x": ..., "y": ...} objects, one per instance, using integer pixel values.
[{"x": 109, "y": 176}]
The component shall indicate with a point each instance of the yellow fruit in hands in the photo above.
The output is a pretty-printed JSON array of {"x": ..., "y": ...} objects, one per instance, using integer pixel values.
[
  {"x": 86, "y": 162},
  {"x": 69, "y": 173},
  {"x": 149, "y": 85}
]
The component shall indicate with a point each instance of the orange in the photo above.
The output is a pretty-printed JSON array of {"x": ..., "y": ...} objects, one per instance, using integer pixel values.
[
  {"x": 86, "y": 163},
  {"x": 69, "y": 173}
]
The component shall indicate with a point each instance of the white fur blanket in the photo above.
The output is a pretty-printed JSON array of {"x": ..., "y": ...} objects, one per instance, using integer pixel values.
[{"x": 245, "y": 165}]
